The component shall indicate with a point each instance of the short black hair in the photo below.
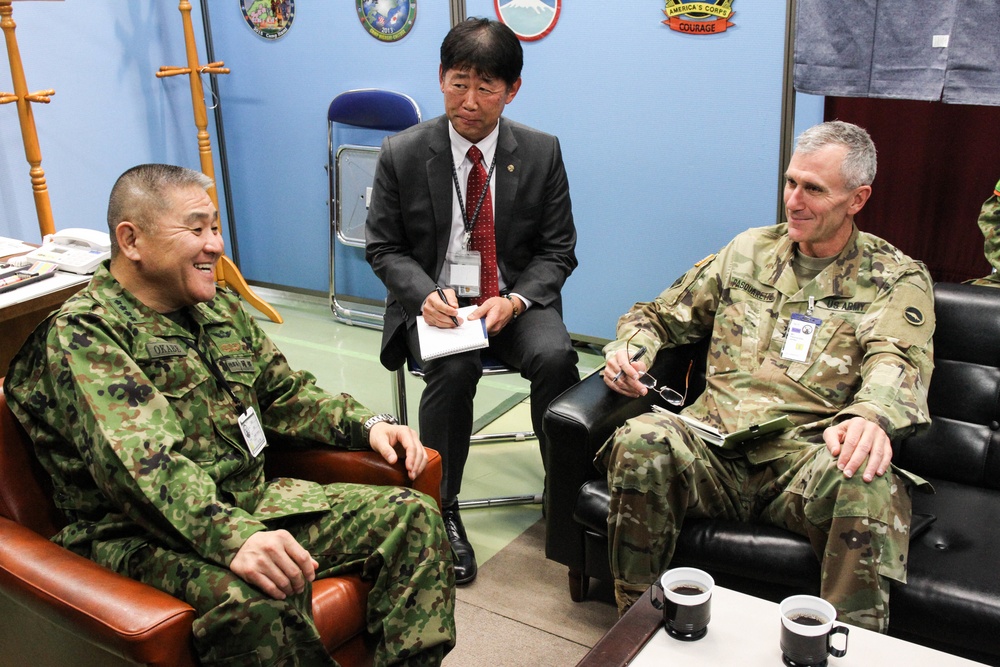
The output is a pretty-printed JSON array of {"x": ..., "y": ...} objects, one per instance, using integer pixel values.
[
  {"x": 488, "y": 47},
  {"x": 140, "y": 195}
]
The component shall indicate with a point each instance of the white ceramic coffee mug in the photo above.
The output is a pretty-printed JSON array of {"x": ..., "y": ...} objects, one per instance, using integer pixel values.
[{"x": 807, "y": 631}]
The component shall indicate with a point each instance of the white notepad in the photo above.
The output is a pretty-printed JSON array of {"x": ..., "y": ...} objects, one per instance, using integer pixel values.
[{"x": 436, "y": 342}]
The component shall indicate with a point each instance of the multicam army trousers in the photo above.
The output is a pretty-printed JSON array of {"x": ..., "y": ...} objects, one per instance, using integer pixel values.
[
  {"x": 392, "y": 537},
  {"x": 660, "y": 472}
]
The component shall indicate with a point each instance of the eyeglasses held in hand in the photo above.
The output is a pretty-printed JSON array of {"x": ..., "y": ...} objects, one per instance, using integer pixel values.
[{"x": 671, "y": 396}]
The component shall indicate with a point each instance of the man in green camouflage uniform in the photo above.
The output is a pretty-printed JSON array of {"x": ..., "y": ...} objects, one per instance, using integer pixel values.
[
  {"x": 133, "y": 394},
  {"x": 851, "y": 382},
  {"x": 989, "y": 223}
]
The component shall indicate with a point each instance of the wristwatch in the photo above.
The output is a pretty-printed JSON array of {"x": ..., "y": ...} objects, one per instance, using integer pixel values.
[{"x": 377, "y": 419}]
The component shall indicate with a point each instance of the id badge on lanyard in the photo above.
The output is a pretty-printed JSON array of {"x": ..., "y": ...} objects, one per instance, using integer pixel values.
[
  {"x": 464, "y": 266},
  {"x": 463, "y": 273},
  {"x": 253, "y": 433},
  {"x": 250, "y": 426},
  {"x": 799, "y": 336}
]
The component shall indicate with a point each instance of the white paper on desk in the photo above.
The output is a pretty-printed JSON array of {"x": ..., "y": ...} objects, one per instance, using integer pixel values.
[
  {"x": 13, "y": 247},
  {"x": 436, "y": 342}
]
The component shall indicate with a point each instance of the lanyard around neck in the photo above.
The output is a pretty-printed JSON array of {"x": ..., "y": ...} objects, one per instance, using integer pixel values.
[{"x": 469, "y": 224}]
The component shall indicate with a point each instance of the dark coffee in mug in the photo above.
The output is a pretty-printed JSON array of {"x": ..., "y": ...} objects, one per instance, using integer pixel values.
[
  {"x": 808, "y": 619},
  {"x": 686, "y": 602},
  {"x": 807, "y": 631}
]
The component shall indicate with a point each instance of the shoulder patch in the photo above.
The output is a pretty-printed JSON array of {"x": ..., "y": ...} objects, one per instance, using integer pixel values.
[{"x": 913, "y": 315}]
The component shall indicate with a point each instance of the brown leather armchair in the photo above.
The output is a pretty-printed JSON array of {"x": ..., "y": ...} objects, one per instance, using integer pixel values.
[{"x": 57, "y": 608}]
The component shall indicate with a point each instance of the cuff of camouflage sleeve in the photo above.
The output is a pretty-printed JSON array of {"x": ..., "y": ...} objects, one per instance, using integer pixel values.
[
  {"x": 359, "y": 439},
  {"x": 869, "y": 413}
]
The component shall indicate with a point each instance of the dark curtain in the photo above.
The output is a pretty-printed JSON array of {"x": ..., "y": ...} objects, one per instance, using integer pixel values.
[{"x": 937, "y": 164}]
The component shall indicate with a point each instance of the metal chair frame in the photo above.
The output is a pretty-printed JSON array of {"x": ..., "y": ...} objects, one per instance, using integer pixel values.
[
  {"x": 369, "y": 108},
  {"x": 491, "y": 366}
]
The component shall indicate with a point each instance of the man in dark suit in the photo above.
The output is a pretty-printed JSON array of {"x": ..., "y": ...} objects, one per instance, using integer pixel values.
[{"x": 428, "y": 228}]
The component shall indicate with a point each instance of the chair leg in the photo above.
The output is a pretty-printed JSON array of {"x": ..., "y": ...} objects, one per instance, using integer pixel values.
[
  {"x": 535, "y": 499},
  {"x": 516, "y": 436},
  {"x": 399, "y": 395},
  {"x": 579, "y": 584}
]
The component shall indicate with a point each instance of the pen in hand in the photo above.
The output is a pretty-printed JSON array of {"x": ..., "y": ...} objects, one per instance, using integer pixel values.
[
  {"x": 635, "y": 357},
  {"x": 445, "y": 299}
]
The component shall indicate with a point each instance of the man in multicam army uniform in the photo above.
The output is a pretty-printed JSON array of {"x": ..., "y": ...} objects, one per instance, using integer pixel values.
[
  {"x": 812, "y": 320},
  {"x": 147, "y": 395},
  {"x": 989, "y": 223}
]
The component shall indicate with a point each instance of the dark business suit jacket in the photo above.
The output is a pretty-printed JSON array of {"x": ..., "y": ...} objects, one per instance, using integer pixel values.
[{"x": 409, "y": 220}]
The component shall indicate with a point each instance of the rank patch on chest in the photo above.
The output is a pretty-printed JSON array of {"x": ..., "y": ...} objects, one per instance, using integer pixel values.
[
  {"x": 238, "y": 364},
  {"x": 157, "y": 349}
]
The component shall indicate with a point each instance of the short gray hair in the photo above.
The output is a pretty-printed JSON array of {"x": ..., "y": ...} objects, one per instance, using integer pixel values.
[
  {"x": 860, "y": 163},
  {"x": 140, "y": 195}
]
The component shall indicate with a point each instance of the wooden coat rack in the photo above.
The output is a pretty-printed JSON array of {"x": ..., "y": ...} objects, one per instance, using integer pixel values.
[
  {"x": 24, "y": 99},
  {"x": 226, "y": 272}
]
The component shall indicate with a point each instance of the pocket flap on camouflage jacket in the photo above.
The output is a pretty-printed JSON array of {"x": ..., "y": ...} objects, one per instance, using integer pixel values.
[{"x": 288, "y": 497}]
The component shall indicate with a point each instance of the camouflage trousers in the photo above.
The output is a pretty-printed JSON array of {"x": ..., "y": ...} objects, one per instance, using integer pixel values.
[
  {"x": 659, "y": 473},
  {"x": 393, "y": 537}
]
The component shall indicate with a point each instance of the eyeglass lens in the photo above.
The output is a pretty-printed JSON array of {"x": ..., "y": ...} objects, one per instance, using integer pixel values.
[{"x": 669, "y": 395}]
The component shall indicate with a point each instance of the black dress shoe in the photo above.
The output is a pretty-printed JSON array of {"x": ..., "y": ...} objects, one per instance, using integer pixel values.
[{"x": 465, "y": 558}]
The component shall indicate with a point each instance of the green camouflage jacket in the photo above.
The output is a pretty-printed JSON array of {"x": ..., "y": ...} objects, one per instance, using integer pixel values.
[
  {"x": 142, "y": 439},
  {"x": 870, "y": 357},
  {"x": 989, "y": 223}
]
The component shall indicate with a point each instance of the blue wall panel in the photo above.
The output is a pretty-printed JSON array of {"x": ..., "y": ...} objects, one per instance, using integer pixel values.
[
  {"x": 671, "y": 141},
  {"x": 275, "y": 104},
  {"x": 109, "y": 113}
]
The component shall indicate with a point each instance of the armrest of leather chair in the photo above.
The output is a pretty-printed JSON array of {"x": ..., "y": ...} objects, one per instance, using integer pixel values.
[
  {"x": 329, "y": 466},
  {"x": 578, "y": 422},
  {"x": 101, "y": 607}
]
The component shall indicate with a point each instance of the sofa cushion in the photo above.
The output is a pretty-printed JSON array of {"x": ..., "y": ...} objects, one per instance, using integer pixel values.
[{"x": 952, "y": 572}]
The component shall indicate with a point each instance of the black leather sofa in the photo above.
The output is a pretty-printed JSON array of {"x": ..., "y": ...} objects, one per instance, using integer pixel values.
[{"x": 952, "y": 599}]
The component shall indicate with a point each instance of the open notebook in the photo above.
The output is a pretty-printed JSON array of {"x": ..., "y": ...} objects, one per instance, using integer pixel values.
[{"x": 436, "y": 342}]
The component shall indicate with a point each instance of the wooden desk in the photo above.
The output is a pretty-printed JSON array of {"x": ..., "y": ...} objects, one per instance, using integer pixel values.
[{"x": 19, "y": 319}]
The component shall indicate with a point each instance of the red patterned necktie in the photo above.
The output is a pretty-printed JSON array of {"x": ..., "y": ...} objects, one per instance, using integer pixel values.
[{"x": 483, "y": 235}]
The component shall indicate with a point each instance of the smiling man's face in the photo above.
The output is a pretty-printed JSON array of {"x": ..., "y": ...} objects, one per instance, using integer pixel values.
[
  {"x": 819, "y": 207},
  {"x": 176, "y": 265}
]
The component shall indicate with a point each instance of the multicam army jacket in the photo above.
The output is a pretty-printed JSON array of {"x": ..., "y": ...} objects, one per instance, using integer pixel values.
[
  {"x": 130, "y": 414},
  {"x": 870, "y": 355},
  {"x": 989, "y": 224}
]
